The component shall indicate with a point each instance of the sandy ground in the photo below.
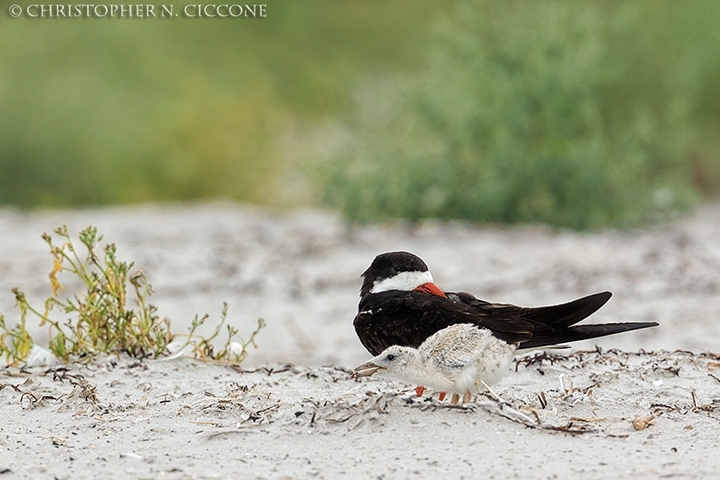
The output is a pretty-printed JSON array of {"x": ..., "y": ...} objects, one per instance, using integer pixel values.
[{"x": 645, "y": 404}]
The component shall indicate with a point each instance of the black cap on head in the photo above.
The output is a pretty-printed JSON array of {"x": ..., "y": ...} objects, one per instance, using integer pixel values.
[{"x": 390, "y": 264}]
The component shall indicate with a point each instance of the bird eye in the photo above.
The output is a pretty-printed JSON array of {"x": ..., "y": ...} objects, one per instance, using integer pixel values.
[{"x": 390, "y": 357}]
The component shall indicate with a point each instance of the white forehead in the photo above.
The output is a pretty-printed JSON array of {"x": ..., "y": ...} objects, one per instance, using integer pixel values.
[{"x": 406, "y": 281}]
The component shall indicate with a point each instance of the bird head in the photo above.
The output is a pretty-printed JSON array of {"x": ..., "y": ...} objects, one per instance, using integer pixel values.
[
  {"x": 398, "y": 271},
  {"x": 392, "y": 361}
]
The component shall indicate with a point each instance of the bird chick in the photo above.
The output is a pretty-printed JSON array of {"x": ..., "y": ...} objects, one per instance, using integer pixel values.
[{"x": 459, "y": 359}]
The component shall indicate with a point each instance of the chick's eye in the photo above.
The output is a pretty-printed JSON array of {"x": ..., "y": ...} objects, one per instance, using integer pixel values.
[{"x": 390, "y": 357}]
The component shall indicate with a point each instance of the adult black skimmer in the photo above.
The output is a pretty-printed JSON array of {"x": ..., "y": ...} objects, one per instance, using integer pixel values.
[
  {"x": 400, "y": 305},
  {"x": 460, "y": 359}
]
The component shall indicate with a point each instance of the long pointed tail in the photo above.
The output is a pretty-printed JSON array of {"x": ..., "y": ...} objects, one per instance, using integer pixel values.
[{"x": 582, "y": 332}]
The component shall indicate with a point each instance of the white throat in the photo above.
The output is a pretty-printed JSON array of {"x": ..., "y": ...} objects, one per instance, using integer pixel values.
[{"x": 406, "y": 281}]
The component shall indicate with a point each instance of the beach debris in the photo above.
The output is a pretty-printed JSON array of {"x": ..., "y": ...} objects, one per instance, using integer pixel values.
[
  {"x": 573, "y": 395},
  {"x": 31, "y": 400},
  {"x": 40, "y": 357},
  {"x": 131, "y": 455},
  {"x": 10, "y": 385},
  {"x": 257, "y": 400},
  {"x": 572, "y": 428},
  {"x": 641, "y": 423}
]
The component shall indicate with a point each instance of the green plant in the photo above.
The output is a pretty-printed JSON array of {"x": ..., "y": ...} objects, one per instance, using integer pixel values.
[
  {"x": 203, "y": 114},
  {"x": 102, "y": 317},
  {"x": 521, "y": 114},
  {"x": 232, "y": 351}
]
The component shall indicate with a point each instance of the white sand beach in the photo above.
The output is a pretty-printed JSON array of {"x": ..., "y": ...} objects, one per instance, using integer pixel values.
[{"x": 643, "y": 404}]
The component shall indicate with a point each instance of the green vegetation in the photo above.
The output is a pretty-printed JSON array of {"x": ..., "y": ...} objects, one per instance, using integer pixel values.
[
  {"x": 605, "y": 113},
  {"x": 100, "y": 111},
  {"x": 102, "y": 319},
  {"x": 526, "y": 111}
]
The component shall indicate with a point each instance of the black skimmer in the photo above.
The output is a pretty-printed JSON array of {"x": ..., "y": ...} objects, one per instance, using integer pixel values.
[
  {"x": 400, "y": 305},
  {"x": 459, "y": 359}
]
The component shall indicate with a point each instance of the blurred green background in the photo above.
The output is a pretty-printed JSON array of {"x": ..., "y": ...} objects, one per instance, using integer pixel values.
[{"x": 580, "y": 114}]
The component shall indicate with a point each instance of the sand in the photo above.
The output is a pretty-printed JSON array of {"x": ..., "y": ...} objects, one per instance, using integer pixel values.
[{"x": 643, "y": 404}]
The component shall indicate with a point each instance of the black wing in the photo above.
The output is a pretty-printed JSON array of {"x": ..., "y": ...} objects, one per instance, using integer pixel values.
[
  {"x": 555, "y": 316},
  {"x": 408, "y": 318}
]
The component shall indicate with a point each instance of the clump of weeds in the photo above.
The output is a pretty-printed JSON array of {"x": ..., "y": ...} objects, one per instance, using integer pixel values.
[{"x": 112, "y": 313}]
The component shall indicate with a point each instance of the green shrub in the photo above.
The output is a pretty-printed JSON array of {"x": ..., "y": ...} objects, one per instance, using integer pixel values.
[
  {"x": 100, "y": 111},
  {"x": 109, "y": 316},
  {"x": 518, "y": 116}
]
